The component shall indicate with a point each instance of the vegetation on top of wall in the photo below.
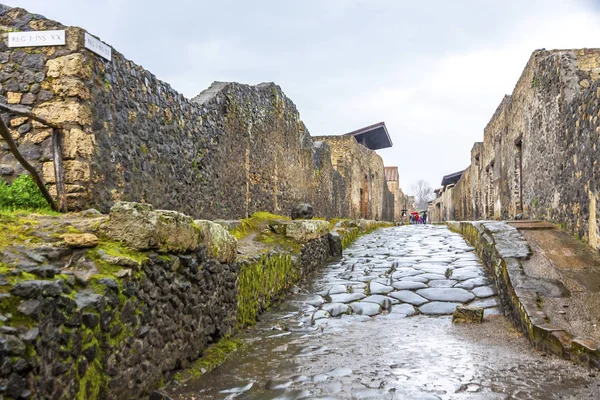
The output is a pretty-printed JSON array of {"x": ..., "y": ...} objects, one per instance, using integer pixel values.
[
  {"x": 255, "y": 223},
  {"x": 23, "y": 193}
]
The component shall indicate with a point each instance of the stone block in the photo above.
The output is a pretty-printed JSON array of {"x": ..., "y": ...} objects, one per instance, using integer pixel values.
[
  {"x": 141, "y": 227},
  {"x": 18, "y": 121},
  {"x": 75, "y": 171},
  {"x": 65, "y": 111},
  {"x": 13, "y": 97},
  {"x": 220, "y": 244},
  {"x": 77, "y": 143},
  {"x": 80, "y": 240},
  {"x": 228, "y": 224},
  {"x": 39, "y": 135},
  {"x": 73, "y": 65},
  {"x": 467, "y": 315},
  {"x": 70, "y": 87},
  {"x": 335, "y": 244},
  {"x": 303, "y": 211},
  {"x": 303, "y": 231}
]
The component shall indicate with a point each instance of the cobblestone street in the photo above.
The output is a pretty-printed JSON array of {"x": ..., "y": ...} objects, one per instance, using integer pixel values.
[{"x": 375, "y": 325}]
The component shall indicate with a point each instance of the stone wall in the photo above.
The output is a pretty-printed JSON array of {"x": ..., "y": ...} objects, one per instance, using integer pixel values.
[
  {"x": 232, "y": 150},
  {"x": 503, "y": 251},
  {"x": 539, "y": 149},
  {"x": 82, "y": 318},
  {"x": 363, "y": 172}
]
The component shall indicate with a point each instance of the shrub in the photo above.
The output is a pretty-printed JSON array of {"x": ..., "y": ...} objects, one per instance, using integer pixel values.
[{"x": 22, "y": 194}]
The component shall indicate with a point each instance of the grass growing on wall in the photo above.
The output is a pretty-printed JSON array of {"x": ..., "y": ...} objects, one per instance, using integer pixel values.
[
  {"x": 261, "y": 282},
  {"x": 23, "y": 194}
]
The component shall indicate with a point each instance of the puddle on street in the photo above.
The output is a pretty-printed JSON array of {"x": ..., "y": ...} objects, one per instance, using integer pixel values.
[{"x": 300, "y": 351}]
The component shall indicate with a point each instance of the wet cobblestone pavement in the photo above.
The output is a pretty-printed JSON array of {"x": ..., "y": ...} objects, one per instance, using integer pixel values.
[{"x": 373, "y": 326}]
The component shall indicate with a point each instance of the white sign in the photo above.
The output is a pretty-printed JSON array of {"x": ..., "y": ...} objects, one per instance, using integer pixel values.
[
  {"x": 36, "y": 38},
  {"x": 98, "y": 47}
]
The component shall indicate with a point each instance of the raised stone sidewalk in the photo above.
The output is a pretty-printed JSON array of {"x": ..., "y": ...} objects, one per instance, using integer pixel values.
[{"x": 548, "y": 283}]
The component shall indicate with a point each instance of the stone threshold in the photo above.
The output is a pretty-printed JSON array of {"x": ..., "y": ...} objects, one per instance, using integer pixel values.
[{"x": 503, "y": 249}]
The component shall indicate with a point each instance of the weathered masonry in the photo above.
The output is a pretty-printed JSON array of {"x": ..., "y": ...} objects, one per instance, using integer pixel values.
[
  {"x": 232, "y": 150},
  {"x": 538, "y": 158}
]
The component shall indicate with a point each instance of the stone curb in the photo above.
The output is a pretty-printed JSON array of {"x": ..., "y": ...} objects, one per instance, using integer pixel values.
[{"x": 501, "y": 247}]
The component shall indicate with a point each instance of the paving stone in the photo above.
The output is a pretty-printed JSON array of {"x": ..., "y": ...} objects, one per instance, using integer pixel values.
[
  {"x": 485, "y": 303},
  {"x": 461, "y": 274},
  {"x": 405, "y": 309},
  {"x": 409, "y": 285},
  {"x": 472, "y": 283},
  {"x": 401, "y": 274},
  {"x": 378, "y": 288},
  {"x": 446, "y": 283},
  {"x": 336, "y": 309},
  {"x": 432, "y": 276},
  {"x": 319, "y": 314},
  {"x": 363, "y": 308},
  {"x": 406, "y": 296},
  {"x": 484, "y": 291},
  {"x": 438, "y": 308},
  {"x": 346, "y": 297},
  {"x": 417, "y": 278},
  {"x": 446, "y": 294},
  {"x": 338, "y": 289},
  {"x": 491, "y": 311},
  {"x": 384, "y": 301}
]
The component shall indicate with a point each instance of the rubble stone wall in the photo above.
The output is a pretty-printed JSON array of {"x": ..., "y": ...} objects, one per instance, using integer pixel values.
[
  {"x": 367, "y": 191},
  {"x": 232, "y": 150},
  {"x": 539, "y": 151}
]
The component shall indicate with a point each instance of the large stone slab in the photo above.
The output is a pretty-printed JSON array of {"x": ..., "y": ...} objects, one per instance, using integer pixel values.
[
  {"x": 346, "y": 297},
  {"x": 406, "y": 296},
  {"x": 141, "y": 227},
  {"x": 438, "y": 308},
  {"x": 220, "y": 244},
  {"x": 362, "y": 308},
  {"x": 446, "y": 294},
  {"x": 378, "y": 288},
  {"x": 336, "y": 309},
  {"x": 303, "y": 231},
  {"x": 384, "y": 301},
  {"x": 409, "y": 285}
]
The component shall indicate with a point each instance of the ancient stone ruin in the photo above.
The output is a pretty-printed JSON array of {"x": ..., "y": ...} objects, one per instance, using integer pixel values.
[
  {"x": 232, "y": 150},
  {"x": 537, "y": 158}
]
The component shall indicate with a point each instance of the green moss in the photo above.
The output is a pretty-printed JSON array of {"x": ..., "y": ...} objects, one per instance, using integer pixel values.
[
  {"x": 9, "y": 306},
  {"x": 280, "y": 241},
  {"x": 255, "y": 223},
  {"x": 212, "y": 357},
  {"x": 91, "y": 384},
  {"x": 261, "y": 283},
  {"x": 350, "y": 236},
  {"x": 16, "y": 231},
  {"x": 118, "y": 249},
  {"x": 144, "y": 149}
]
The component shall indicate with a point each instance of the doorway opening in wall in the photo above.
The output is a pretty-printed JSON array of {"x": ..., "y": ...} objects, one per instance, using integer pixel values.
[{"x": 518, "y": 179}]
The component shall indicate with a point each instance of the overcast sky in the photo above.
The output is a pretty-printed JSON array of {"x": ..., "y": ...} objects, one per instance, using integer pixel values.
[{"x": 434, "y": 71}]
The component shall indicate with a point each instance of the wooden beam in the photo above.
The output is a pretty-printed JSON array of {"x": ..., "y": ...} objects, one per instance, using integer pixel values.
[{"x": 57, "y": 150}]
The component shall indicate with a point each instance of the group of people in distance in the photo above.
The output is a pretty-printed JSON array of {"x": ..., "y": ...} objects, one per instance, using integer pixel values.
[{"x": 416, "y": 218}]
